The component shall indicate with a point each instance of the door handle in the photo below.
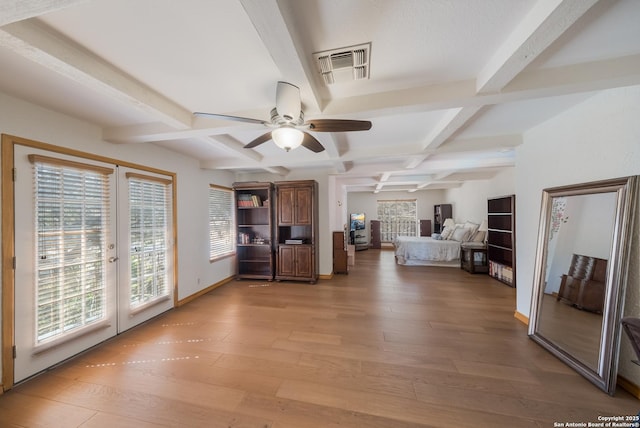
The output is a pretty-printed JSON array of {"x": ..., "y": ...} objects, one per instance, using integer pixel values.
[{"x": 112, "y": 259}]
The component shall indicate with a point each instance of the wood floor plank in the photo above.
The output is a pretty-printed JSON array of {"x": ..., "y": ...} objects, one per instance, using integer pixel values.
[
  {"x": 322, "y": 374},
  {"x": 496, "y": 371},
  {"x": 31, "y": 411},
  {"x": 394, "y": 408},
  {"x": 105, "y": 420},
  {"x": 153, "y": 408},
  {"x": 157, "y": 378},
  {"x": 297, "y": 414},
  {"x": 305, "y": 336},
  {"x": 504, "y": 404},
  {"x": 385, "y": 346}
]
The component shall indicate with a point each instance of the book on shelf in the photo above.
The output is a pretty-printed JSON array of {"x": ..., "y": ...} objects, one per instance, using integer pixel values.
[
  {"x": 246, "y": 200},
  {"x": 293, "y": 241}
]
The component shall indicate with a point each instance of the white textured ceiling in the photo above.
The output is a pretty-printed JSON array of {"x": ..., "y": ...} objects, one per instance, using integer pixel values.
[{"x": 453, "y": 84}]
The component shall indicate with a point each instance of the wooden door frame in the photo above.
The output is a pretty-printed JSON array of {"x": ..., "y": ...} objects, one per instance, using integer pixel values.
[{"x": 8, "y": 237}]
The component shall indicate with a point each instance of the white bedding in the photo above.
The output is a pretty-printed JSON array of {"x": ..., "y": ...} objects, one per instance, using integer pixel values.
[{"x": 423, "y": 250}]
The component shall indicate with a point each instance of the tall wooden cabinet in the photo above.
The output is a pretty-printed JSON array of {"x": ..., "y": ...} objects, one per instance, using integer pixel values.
[
  {"x": 425, "y": 227},
  {"x": 440, "y": 214},
  {"x": 297, "y": 256},
  {"x": 340, "y": 260},
  {"x": 375, "y": 234},
  {"x": 501, "y": 238},
  {"x": 254, "y": 216}
]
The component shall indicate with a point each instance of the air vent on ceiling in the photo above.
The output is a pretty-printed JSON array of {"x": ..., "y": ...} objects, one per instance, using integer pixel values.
[{"x": 345, "y": 64}]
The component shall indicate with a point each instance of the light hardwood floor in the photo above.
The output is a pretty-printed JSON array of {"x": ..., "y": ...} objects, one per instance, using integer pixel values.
[{"x": 386, "y": 346}]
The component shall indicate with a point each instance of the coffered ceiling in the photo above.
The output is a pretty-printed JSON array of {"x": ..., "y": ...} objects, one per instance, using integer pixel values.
[{"x": 452, "y": 85}]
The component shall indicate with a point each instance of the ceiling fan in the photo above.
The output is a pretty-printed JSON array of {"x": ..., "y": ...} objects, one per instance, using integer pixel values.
[{"x": 289, "y": 126}]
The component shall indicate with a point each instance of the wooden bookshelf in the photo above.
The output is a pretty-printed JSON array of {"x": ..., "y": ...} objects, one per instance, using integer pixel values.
[
  {"x": 254, "y": 214},
  {"x": 440, "y": 214},
  {"x": 501, "y": 239}
]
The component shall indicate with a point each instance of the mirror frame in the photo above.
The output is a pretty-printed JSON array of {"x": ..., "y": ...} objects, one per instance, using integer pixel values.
[{"x": 625, "y": 188}]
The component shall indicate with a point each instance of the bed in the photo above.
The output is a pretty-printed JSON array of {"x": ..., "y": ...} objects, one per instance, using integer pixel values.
[
  {"x": 426, "y": 251},
  {"x": 445, "y": 251}
]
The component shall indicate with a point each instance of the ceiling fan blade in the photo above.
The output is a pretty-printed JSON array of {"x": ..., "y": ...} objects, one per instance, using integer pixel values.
[
  {"x": 338, "y": 125},
  {"x": 261, "y": 139},
  {"x": 227, "y": 117},
  {"x": 288, "y": 103},
  {"x": 310, "y": 142}
]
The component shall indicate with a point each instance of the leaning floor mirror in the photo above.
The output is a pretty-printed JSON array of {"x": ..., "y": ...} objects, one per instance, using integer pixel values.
[{"x": 581, "y": 266}]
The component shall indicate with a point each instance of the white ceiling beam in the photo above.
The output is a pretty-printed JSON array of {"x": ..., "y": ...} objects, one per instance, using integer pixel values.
[
  {"x": 586, "y": 77},
  {"x": 330, "y": 143},
  {"x": 493, "y": 142},
  {"x": 18, "y": 10},
  {"x": 442, "y": 175},
  {"x": 270, "y": 25},
  {"x": 543, "y": 25},
  {"x": 591, "y": 76},
  {"x": 571, "y": 79},
  {"x": 201, "y": 127},
  {"x": 237, "y": 147},
  {"x": 414, "y": 161},
  {"x": 450, "y": 123},
  {"x": 50, "y": 49},
  {"x": 425, "y": 98},
  {"x": 278, "y": 170}
]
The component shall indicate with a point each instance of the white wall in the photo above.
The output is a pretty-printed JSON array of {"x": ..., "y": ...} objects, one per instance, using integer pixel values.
[
  {"x": 595, "y": 140},
  {"x": 469, "y": 201}
]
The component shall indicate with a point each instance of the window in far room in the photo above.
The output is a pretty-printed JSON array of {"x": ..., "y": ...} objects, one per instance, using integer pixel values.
[
  {"x": 397, "y": 217},
  {"x": 221, "y": 222}
]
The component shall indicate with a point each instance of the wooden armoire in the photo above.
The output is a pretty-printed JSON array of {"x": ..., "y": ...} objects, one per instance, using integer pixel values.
[{"x": 297, "y": 255}]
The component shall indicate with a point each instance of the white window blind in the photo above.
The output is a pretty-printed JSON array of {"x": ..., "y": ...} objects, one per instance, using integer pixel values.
[
  {"x": 150, "y": 231},
  {"x": 397, "y": 217},
  {"x": 221, "y": 222},
  {"x": 71, "y": 220}
]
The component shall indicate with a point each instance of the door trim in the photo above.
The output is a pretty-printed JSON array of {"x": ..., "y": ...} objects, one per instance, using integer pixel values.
[{"x": 8, "y": 236}]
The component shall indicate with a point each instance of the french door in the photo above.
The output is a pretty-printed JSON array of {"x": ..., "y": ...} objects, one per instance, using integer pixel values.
[
  {"x": 94, "y": 254},
  {"x": 145, "y": 238}
]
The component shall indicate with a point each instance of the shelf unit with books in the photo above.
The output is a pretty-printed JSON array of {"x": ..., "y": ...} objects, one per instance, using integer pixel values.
[
  {"x": 501, "y": 238},
  {"x": 440, "y": 214},
  {"x": 254, "y": 222}
]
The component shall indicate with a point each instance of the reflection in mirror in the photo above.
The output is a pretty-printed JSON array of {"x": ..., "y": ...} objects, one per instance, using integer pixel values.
[{"x": 580, "y": 267}]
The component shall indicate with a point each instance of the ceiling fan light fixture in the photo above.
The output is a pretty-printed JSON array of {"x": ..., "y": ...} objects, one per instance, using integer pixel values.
[{"x": 287, "y": 138}]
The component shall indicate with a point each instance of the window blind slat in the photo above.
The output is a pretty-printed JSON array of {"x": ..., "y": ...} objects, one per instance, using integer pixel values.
[
  {"x": 221, "y": 222},
  {"x": 150, "y": 231},
  {"x": 72, "y": 220}
]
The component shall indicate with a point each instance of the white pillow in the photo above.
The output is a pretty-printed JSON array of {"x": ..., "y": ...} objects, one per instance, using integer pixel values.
[
  {"x": 461, "y": 234},
  {"x": 446, "y": 232},
  {"x": 479, "y": 236},
  {"x": 473, "y": 226}
]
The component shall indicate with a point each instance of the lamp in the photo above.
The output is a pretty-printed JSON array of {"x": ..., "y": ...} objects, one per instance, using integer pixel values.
[
  {"x": 287, "y": 137},
  {"x": 484, "y": 228}
]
